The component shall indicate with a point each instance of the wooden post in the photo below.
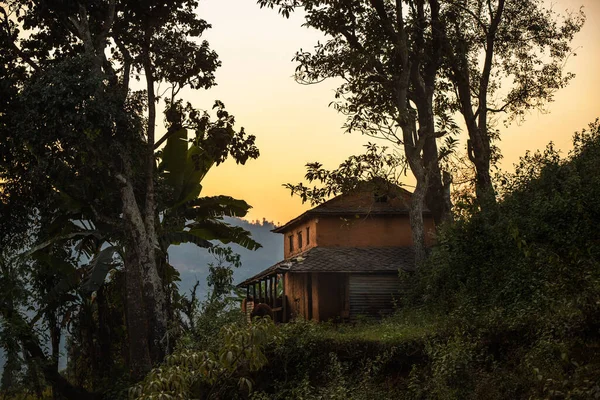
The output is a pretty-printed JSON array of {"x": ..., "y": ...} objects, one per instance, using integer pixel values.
[
  {"x": 267, "y": 290},
  {"x": 270, "y": 291},
  {"x": 283, "y": 299},
  {"x": 260, "y": 290},
  {"x": 275, "y": 289}
]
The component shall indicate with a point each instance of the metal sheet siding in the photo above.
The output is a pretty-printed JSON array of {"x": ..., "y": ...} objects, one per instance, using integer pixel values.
[{"x": 372, "y": 295}]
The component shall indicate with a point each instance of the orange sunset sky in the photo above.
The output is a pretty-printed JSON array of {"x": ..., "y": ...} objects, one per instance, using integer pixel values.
[{"x": 295, "y": 125}]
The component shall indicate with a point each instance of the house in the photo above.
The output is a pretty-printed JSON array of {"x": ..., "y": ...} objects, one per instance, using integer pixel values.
[{"x": 341, "y": 258}]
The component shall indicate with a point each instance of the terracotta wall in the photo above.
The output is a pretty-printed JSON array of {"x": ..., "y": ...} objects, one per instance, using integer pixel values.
[
  {"x": 312, "y": 242},
  {"x": 328, "y": 291},
  {"x": 368, "y": 231},
  {"x": 295, "y": 290}
]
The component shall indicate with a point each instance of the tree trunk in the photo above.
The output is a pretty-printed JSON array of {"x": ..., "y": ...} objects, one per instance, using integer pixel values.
[
  {"x": 137, "y": 324},
  {"x": 434, "y": 197},
  {"x": 55, "y": 348},
  {"x": 413, "y": 156},
  {"x": 155, "y": 301},
  {"x": 478, "y": 145},
  {"x": 154, "y": 290},
  {"x": 480, "y": 154},
  {"x": 416, "y": 222},
  {"x": 104, "y": 332},
  {"x": 136, "y": 250}
]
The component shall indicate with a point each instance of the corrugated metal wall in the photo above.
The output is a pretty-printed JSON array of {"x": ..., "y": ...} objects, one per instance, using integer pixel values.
[{"x": 372, "y": 295}]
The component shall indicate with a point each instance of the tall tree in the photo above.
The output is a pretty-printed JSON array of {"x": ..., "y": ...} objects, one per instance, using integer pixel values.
[
  {"x": 443, "y": 57},
  {"x": 503, "y": 56},
  {"x": 74, "y": 127},
  {"x": 388, "y": 56}
]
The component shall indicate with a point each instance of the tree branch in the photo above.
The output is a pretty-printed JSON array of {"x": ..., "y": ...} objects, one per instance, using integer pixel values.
[
  {"x": 108, "y": 22},
  {"x": 16, "y": 48},
  {"x": 385, "y": 19},
  {"x": 354, "y": 43},
  {"x": 82, "y": 29},
  {"x": 32, "y": 347},
  {"x": 476, "y": 18}
]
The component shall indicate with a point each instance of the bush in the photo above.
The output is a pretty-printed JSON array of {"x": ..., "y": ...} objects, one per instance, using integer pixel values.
[
  {"x": 225, "y": 373},
  {"x": 518, "y": 287}
]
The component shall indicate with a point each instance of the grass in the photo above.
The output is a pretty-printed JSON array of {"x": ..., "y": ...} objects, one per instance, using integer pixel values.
[{"x": 401, "y": 328}]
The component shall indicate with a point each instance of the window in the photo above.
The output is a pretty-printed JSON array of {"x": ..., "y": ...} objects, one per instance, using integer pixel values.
[
  {"x": 299, "y": 240},
  {"x": 307, "y": 235},
  {"x": 291, "y": 239},
  {"x": 381, "y": 198}
]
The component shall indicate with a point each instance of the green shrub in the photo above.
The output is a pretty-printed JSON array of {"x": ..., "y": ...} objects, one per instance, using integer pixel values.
[{"x": 225, "y": 373}]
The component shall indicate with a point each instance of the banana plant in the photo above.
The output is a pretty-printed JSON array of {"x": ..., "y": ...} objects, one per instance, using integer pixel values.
[{"x": 187, "y": 217}]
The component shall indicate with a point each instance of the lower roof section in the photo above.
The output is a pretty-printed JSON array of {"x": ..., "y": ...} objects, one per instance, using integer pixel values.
[{"x": 343, "y": 259}]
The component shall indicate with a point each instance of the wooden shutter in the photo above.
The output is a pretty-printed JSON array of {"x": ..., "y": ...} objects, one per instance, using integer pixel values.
[{"x": 372, "y": 295}]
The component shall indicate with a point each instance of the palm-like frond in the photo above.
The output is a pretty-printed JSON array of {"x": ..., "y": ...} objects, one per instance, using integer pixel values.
[
  {"x": 179, "y": 237},
  {"x": 225, "y": 233},
  {"x": 215, "y": 206}
]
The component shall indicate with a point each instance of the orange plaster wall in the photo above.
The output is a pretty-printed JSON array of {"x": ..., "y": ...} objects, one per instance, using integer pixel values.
[
  {"x": 360, "y": 231},
  {"x": 312, "y": 225},
  {"x": 371, "y": 231}
]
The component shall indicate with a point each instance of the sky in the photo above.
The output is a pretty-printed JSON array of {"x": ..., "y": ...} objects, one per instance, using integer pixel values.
[{"x": 294, "y": 123}]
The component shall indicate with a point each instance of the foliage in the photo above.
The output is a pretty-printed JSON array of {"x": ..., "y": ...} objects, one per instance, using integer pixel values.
[
  {"x": 80, "y": 179},
  {"x": 506, "y": 307},
  {"x": 202, "y": 320},
  {"x": 225, "y": 373},
  {"x": 376, "y": 167},
  {"x": 541, "y": 237},
  {"x": 520, "y": 286},
  {"x": 420, "y": 63}
]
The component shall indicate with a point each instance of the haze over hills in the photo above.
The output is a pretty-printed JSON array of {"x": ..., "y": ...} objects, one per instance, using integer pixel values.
[{"x": 192, "y": 261}]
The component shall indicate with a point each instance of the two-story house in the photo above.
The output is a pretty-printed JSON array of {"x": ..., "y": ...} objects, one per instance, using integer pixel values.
[{"x": 341, "y": 259}]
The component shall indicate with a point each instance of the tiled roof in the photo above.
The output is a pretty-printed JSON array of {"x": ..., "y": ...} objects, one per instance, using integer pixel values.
[
  {"x": 344, "y": 259},
  {"x": 358, "y": 202}
]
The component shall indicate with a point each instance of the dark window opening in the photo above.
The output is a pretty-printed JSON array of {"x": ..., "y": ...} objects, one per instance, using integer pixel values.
[
  {"x": 381, "y": 198},
  {"x": 307, "y": 235},
  {"x": 299, "y": 240},
  {"x": 291, "y": 239}
]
